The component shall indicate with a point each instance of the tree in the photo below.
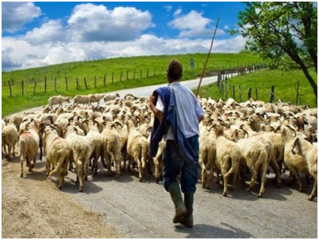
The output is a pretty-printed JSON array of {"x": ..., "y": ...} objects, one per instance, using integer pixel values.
[{"x": 285, "y": 32}]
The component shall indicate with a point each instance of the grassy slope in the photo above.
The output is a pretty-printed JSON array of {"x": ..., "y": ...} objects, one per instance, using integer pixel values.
[{"x": 95, "y": 71}]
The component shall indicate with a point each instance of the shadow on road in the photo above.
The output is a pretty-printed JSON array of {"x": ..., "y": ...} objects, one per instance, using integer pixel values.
[{"x": 209, "y": 231}]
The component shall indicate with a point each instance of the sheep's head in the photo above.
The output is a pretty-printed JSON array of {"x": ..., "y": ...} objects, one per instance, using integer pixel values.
[
  {"x": 295, "y": 149},
  {"x": 219, "y": 129}
]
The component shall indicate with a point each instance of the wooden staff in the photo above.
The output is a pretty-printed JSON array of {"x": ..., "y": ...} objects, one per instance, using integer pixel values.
[{"x": 211, "y": 45}]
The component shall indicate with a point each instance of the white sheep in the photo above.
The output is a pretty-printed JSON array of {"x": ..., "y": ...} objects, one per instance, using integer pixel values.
[
  {"x": 9, "y": 140},
  {"x": 227, "y": 158},
  {"x": 111, "y": 96},
  {"x": 81, "y": 149},
  {"x": 58, "y": 153},
  {"x": 137, "y": 148},
  {"x": 310, "y": 153},
  {"x": 207, "y": 158},
  {"x": 96, "y": 142},
  {"x": 294, "y": 162},
  {"x": 255, "y": 156},
  {"x": 111, "y": 148},
  {"x": 58, "y": 100},
  {"x": 29, "y": 143},
  {"x": 83, "y": 99}
]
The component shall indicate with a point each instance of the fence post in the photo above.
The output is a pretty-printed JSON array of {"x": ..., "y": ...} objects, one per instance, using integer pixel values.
[
  {"x": 297, "y": 94},
  {"x": 86, "y": 87},
  {"x": 112, "y": 76},
  {"x": 22, "y": 86},
  {"x": 94, "y": 81},
  {"x": 147, "y": 72},
  {"x": 141, "y": 75},
  {"x": 66, "y": 83},
  {"x": 35, "y": 85},
  {"x": 226, "y": 88},
  {"x": 55, "y": 84},
  {"x": 77, "y": 84},
  {"x": 45, "y": 84},
  {"x": 256, "y": 94},
  {"x": 127, "y": 75},
  {"x": 104, "y": 79},
  {"x": 155, "y": 71},
  {"x": 121, "y": 77},
  {"x": 272, "y": 94},
  {"x": 233, "y": 91},
  {"x": 240, "y": 94},
  {"x": 10, "y": 88},
  {"x": 249, "y": 93}
]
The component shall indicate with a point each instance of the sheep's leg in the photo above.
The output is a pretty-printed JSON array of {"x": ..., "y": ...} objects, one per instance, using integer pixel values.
[
  {"x": 80, "y": 176},
  {"x": 140, "y": 169},
  {"x": 47, "y": 166},
  {"x": 313, "y": 192},
  {"x": 156, "y": 166},
  {"x": 14, "y": 150},
  {"x": 118, "y": 164},
  {"x": 21, "y": 163},
  {"x": 61, "y": 181},
  {"x": 308, "y": 179},
  {"x": 276, "y": 169},
  {"x": 110, "y": 157},
  {"x": 86, "y": 170},
  {"x": 9, "y": 152},
  {"x": 29, "y": 160},
  {"x": 210, "y": 178},
  {"x": 295, "y": 173},
  {"x": 203, "y": 171},
  {"x": 253, "y": 178},
  {"x": 95, "y": 166},
  {"x": 263, "y": 179},
  {"x": 225, "y": 181}
]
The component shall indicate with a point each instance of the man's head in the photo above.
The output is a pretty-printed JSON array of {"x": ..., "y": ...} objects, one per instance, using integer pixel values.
[{"x": 174, "y": 71}]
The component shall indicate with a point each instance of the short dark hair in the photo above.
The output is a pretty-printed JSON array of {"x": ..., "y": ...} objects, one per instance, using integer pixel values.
[{"x": 175, "y": 70}]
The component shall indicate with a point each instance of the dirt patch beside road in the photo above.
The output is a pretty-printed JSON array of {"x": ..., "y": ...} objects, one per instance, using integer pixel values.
[{"x": 33, "y": 207}]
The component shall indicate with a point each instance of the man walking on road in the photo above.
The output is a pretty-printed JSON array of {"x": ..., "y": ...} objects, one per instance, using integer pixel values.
[{"x": 177, "y": 116}]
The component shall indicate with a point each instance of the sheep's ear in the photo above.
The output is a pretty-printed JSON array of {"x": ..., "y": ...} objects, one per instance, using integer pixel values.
[{"x": 309, "y": 139}]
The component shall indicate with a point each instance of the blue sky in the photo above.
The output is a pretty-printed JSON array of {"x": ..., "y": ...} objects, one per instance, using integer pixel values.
[{"x": 43, "y": 33}]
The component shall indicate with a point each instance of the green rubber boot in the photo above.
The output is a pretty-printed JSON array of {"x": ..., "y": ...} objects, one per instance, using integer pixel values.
[
  {"x": 188, "y": 219},
  {"x": 180, "y": 209}
]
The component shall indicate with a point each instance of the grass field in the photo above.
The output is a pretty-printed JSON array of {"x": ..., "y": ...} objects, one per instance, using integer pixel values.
[{"x": 32, "y": 87}]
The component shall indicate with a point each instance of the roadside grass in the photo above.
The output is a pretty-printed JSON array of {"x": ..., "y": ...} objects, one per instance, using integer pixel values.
[{"x": 285, "y": 87}]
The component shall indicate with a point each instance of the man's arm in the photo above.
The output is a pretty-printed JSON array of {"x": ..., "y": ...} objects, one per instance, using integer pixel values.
[{"x": 158, "y": 114}]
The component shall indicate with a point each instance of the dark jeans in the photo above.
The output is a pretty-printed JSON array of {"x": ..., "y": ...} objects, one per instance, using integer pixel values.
[{"x": 174, "y": 164}]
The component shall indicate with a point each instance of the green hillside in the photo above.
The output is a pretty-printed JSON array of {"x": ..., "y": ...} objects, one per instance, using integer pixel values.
[{"x": 24, "y": 89}]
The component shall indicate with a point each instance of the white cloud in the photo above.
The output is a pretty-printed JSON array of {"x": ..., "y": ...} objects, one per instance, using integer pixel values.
[
  {"x": 96, "y": 23},
  {"x": 22, "y": 54},
  {"x": 51, "y": 31},
  {"x": 193, "y": 24},
  {"x": 16, "y": 14},
  {"x": 177, "y": 12}
]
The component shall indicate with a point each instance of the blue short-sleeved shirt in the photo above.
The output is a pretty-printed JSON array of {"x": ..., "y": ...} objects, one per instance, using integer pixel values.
[{"x": 189, "y": 111}]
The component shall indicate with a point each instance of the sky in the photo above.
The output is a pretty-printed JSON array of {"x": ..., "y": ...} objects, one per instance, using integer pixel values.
[{"x": 38, "y": 34}]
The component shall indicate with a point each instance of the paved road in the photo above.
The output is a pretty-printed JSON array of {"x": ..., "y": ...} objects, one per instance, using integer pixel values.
[
  {"x": 147, "y": 91},
  {"x": 144, "y": 210}
]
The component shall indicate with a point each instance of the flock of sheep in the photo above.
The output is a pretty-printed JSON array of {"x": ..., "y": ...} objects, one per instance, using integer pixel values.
[{"x": 238, "y": 141}]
